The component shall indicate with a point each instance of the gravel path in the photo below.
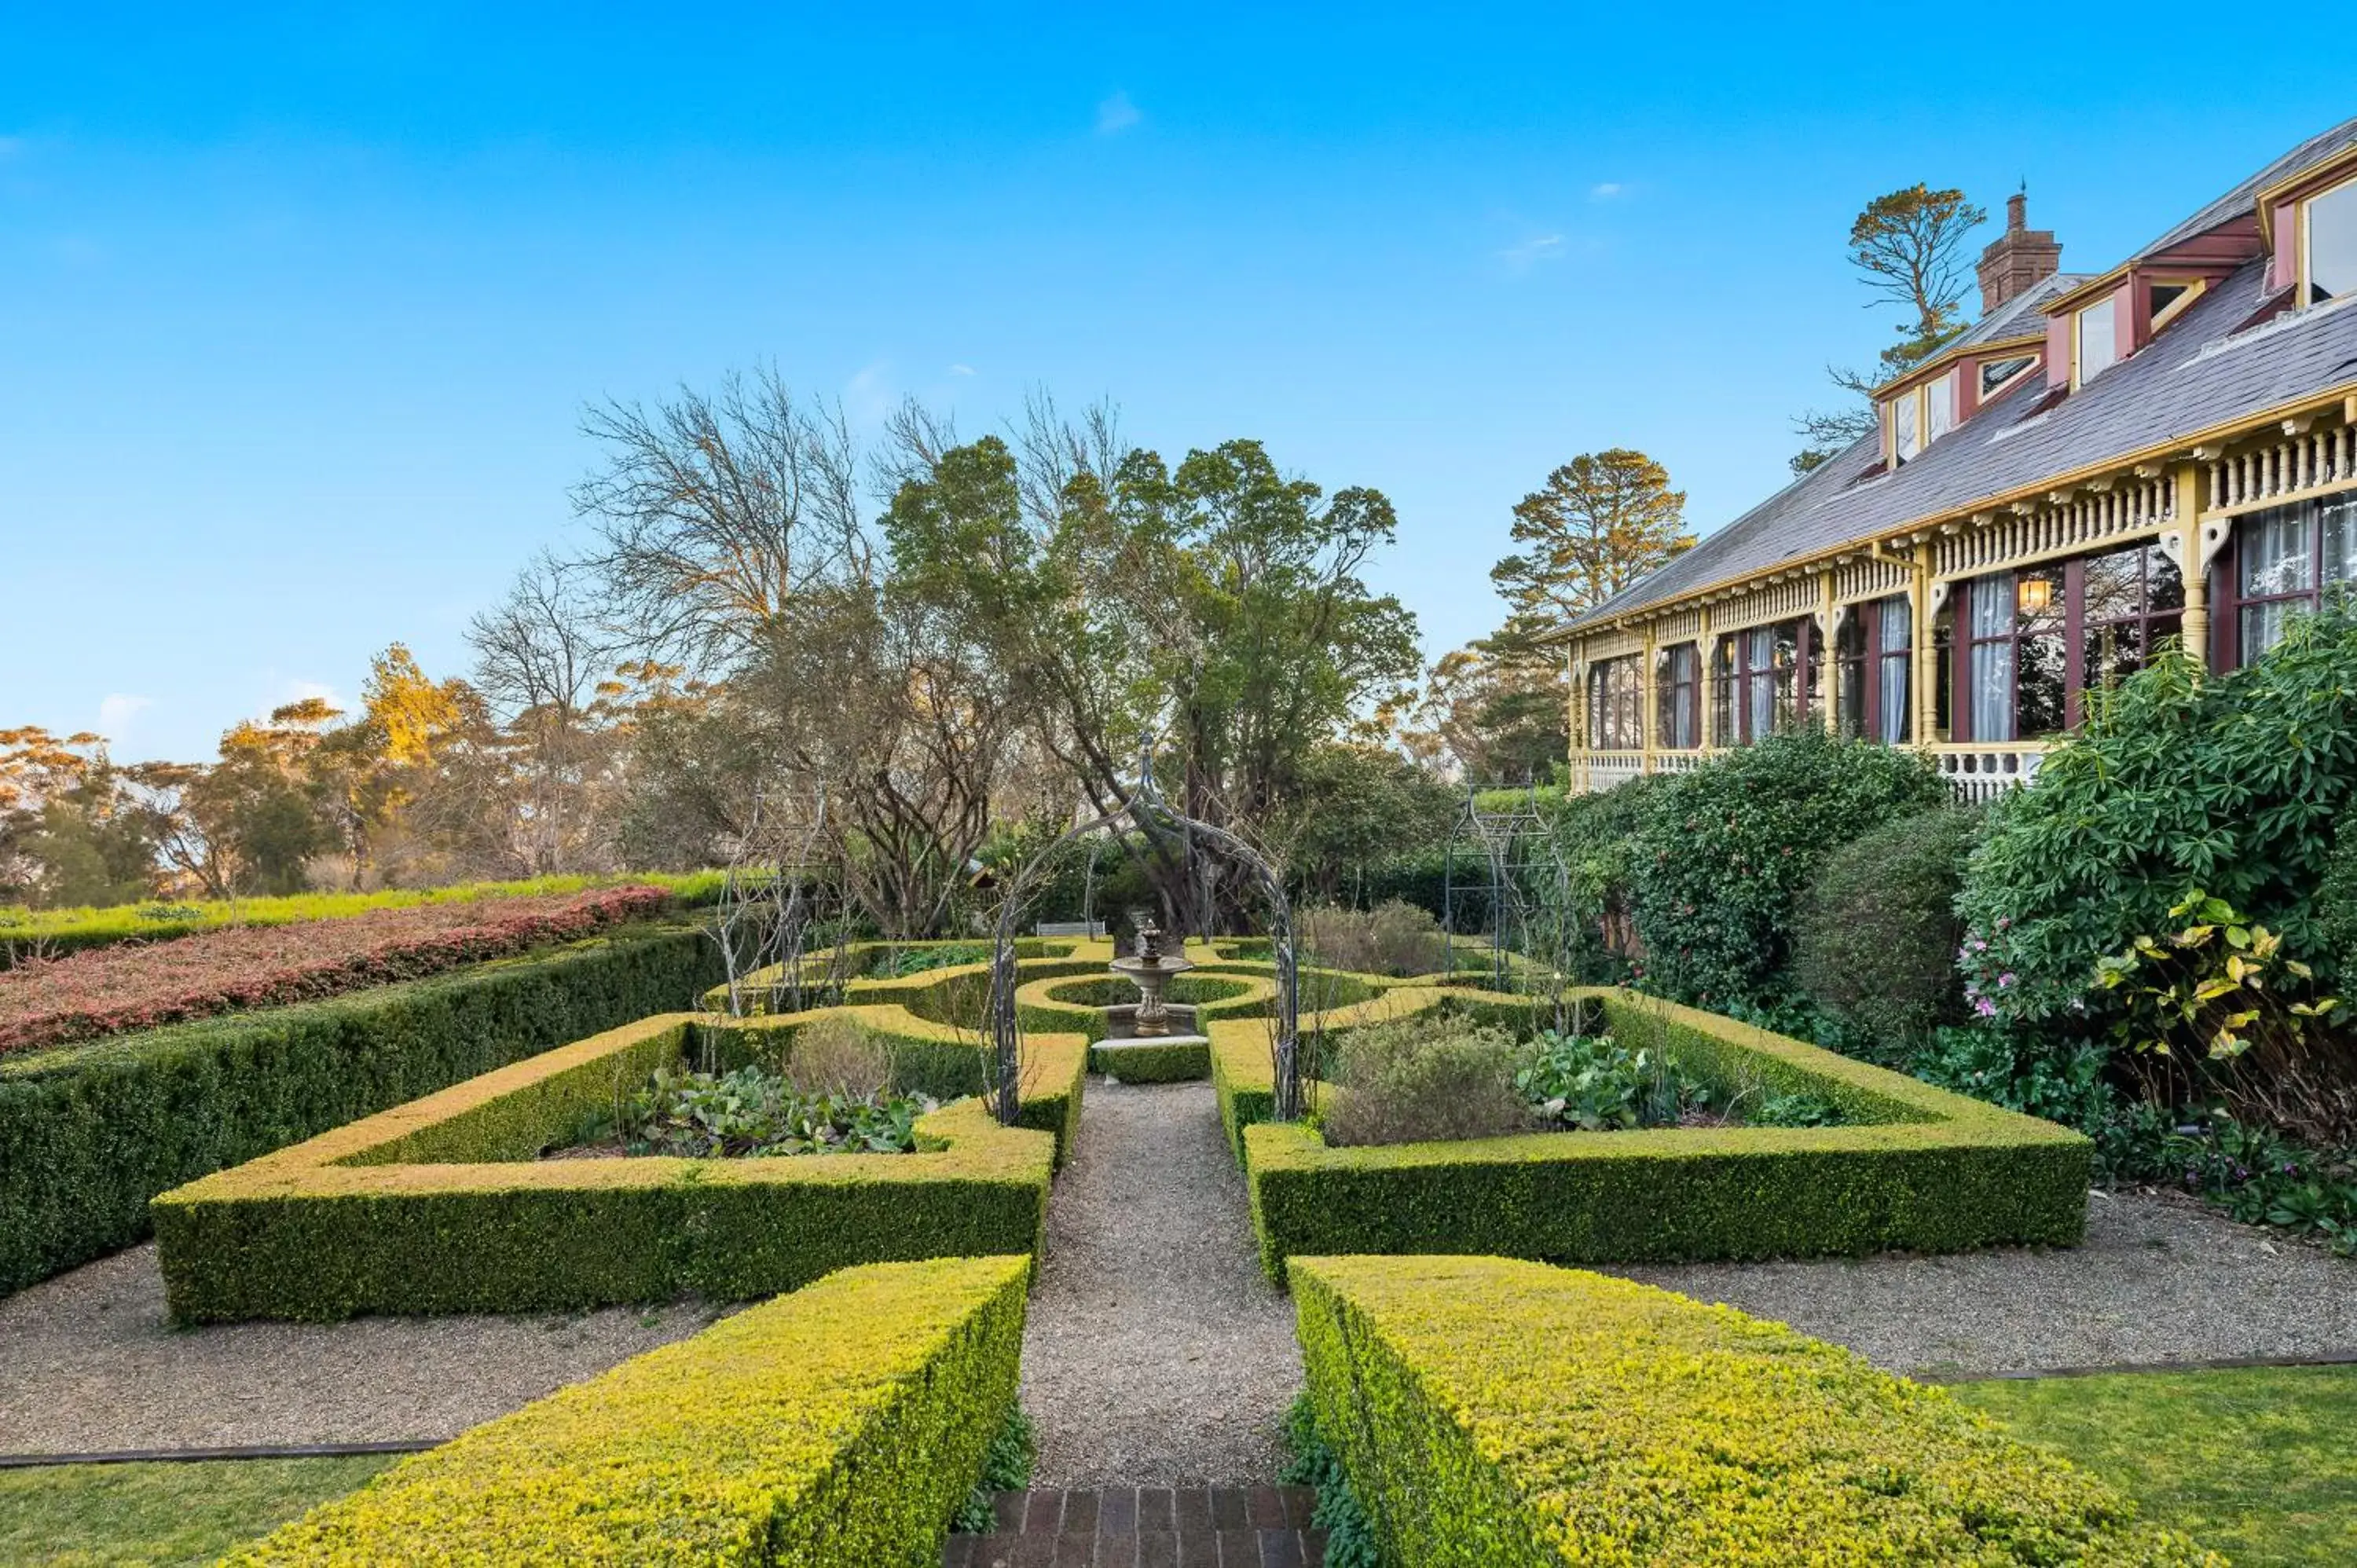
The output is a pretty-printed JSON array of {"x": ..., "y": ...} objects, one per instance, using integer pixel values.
[
  {"x": 2157, "y": 1281},
  {"x": 1156, "y": 1354},
  {"x": 88, "y": 1363}
]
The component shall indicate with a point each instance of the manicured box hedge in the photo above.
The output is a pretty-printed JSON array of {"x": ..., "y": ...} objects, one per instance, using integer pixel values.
[
  {"x": 1500, "y": 1414},
  {"x": 1918, "y": 1168},
  {"x": 1150, "y": 1061},
  {"x": 440, "y": 1206},
  {"x": 842, "y": 1424},
  {"x": 89, "y": 1134}
]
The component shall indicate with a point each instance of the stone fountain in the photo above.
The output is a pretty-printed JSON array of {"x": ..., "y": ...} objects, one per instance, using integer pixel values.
[{"x": 1153, "y": 1023}]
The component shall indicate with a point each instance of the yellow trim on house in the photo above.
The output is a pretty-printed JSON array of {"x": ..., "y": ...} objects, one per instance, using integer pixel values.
[
  {"x": 2269, "y": 200},
  {"x": 2175, "y": 448},
  {"x": 1954, "y": 354}
]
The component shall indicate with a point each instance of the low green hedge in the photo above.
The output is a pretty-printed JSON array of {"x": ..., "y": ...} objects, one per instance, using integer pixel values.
[
  {"x": 1150, "y": 1061},
  {"x": 441, "y": 1205},
  {"x": 89, "y": 1134},
  {"x": 1499, "y": 1414},
  {"x": 842, "y": 1424},
  {"x": 1916, "y": 1168}
]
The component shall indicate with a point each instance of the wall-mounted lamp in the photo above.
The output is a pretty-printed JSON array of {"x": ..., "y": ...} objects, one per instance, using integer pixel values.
[{"x": 2032, "y": 595}]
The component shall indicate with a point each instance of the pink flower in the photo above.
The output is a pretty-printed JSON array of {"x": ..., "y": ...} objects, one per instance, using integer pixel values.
[{"x": 1985, "y": 1008}]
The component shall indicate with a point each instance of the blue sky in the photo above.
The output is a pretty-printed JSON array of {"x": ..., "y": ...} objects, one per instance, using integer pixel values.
[{"x": 298, "y": 310}]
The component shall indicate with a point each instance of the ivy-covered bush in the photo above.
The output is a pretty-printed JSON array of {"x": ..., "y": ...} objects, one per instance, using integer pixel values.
[
  {"x": 2232, "y": 784},
  {"x": 1877, "y": 933},
  {"x": 1725, "y": 850}
]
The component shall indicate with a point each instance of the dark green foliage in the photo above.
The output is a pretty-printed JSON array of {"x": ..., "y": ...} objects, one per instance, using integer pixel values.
[
  {"x": 1877, "y": 933},
  {"x": 1593, "y": 1083},
  {"x": 1724, "y": 852},
  {"x": 750, "y": 1113},
  {"x": 1145, "y": 1061},
  {"x": 2336, "y": 907},
  {"x": 1311, "y": 1462},
  {"x": 89, "y": 1134},
  {"x": 1006, "y": 1467},
  {"x": 2232, "y": 784},
  {"x": 1589, "y": 916}
]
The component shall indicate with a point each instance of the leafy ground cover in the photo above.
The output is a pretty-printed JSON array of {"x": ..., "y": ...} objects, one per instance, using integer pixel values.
[
  {"x": 2259, "y": 1464},
  {"x": 1424, "y": 1080},
  {"x": 28, "y": 934},
  {"x": 752, "y": 1113},
  {"x": 162, "y": 1516},
  {"x": 107, "y": 991}
]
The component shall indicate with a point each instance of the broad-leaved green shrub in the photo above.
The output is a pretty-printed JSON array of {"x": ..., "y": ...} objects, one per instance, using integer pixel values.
[
  {"x": 1726, "y": 849},
  {"x": 1876, "y": 934},
  {"x": 2232, "y": 784}
]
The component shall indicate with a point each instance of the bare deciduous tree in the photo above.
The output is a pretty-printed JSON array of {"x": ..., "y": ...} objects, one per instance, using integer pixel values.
[{"x": 716, "y": 512}]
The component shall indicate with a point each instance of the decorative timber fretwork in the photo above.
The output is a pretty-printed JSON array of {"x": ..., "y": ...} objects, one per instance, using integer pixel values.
[
  {"x": 1797, "y": 595},
  {"x": 2290, "y": 469},
  {"x": 2062, "y": 527},
  {"x": 1868, "y": 577},
  {"x": 1678, "y": 625}
]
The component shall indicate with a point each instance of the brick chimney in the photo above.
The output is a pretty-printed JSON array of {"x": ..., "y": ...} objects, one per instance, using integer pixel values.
[{"x": 2020, "y": 261}]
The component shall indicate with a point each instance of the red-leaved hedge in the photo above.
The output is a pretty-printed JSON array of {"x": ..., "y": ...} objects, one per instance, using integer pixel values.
[{"x": 107, "y": 991}]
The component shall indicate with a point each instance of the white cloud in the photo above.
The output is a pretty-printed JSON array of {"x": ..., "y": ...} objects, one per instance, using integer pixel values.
[
  {"x": 867, "y": 396},
  {"x": 961, "y": 370},
  {"x": 1539, "y": 248},
  {"x": 1607, "y": 191},
  {"x": 115, "y": 713},
  {"x": 1116, "y": 114}
]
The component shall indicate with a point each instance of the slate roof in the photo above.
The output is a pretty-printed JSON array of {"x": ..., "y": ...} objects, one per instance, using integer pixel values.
[
  {"x": 2200, "y": 373},
  {"x": 2238, "y": 202}
]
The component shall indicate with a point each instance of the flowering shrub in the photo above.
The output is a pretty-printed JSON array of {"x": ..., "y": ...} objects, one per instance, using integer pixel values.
[{"x": 108, "y": 991}]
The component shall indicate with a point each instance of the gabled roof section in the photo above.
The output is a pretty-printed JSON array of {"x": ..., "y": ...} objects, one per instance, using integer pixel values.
[
  {"x": 2239, "y": 202},
  {"x": 2202, "y": 375}
]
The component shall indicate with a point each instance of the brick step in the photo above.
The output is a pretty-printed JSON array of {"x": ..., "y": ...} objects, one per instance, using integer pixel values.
[{"x": 1147, "y": 1526}]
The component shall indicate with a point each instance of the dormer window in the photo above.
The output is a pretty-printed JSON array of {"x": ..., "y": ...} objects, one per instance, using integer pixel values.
[
  {"x": 2097, "y": 349},
  {"x": 2328, "y": 252},
  {"x": 1906, "y": 425},
  {"x": 1998, "y": 374},
  {"x": 1939, "y": 408}
]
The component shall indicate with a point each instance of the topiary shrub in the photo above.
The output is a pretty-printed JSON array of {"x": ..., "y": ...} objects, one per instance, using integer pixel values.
[
  {"x": 2231, "y": 784},
  {"x": 1725, "y": 850},
  {"x": 1875, "y": 939}
]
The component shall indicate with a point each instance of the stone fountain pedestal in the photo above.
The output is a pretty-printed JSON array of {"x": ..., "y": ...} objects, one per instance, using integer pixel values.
[{"x": 1151, "y": 1030}]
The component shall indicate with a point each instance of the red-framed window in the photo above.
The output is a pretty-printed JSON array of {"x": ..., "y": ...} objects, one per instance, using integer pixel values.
[
  {"x": 1677, "y": 696},
  {"x": 1616, "y": 701},
  {"x": 1765, "y": 679},
  {"x": 2035, "y": 641},
  {"x": 1874, "y": 653},
  {"x": 2286, "y": 559}
]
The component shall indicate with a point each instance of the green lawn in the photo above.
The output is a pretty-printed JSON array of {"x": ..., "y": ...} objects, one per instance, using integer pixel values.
[
  {"x": 2261, "y": 1465},
  {"x": 161, "y": 1516}
]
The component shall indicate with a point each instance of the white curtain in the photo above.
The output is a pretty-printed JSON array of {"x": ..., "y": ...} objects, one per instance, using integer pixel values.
[
  {"x": 1992, "y": 662},
  {"x": 1896, "y": 633}
]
